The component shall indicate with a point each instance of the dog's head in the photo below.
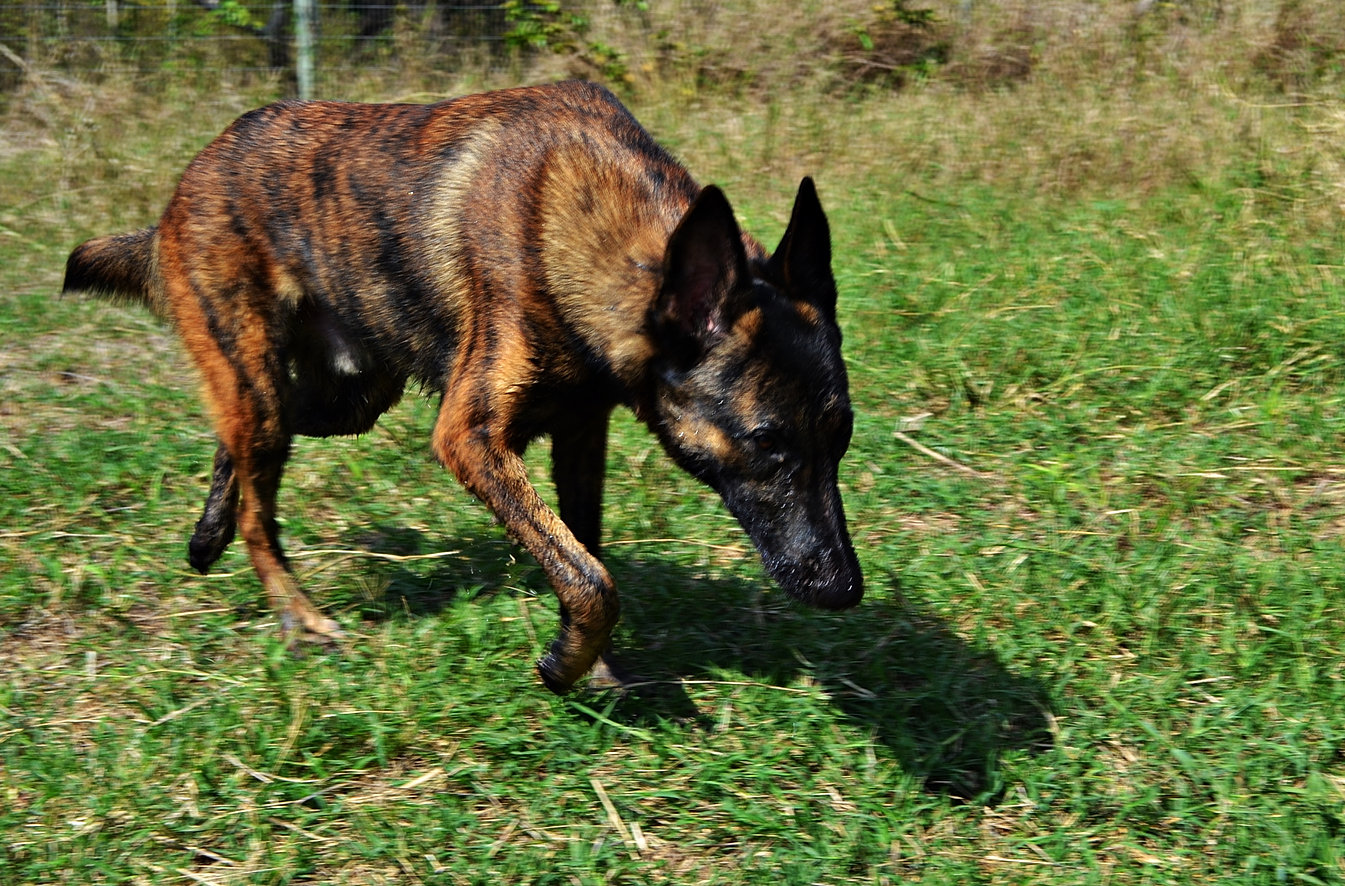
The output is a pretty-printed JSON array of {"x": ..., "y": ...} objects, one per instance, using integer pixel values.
[{"x": 751, "y": 395}]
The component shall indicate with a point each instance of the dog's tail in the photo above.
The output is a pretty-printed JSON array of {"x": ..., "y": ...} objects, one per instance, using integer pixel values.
[{"x": 120, "y": 266}]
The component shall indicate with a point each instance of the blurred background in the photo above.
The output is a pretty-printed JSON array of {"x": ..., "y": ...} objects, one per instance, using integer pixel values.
[{"x": 1293, "y": 45}]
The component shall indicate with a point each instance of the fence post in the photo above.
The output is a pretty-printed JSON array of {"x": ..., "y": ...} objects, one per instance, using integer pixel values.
[{"x": 303, "y": 38}]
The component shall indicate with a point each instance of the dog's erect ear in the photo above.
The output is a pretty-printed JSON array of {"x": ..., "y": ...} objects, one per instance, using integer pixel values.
[
  {"x": 705, "y": 272},
  {"x": 802, "y": 261}
]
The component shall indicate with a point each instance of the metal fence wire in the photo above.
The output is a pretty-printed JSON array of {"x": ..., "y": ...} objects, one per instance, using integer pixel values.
[{"x": 148, "y": 36}]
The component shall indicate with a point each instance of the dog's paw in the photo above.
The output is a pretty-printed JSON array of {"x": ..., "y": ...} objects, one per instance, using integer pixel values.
[
  {"x": 609, "y": 674},
  {"x": 310, "y": 627},
  {"x": 553, "y": 674}
]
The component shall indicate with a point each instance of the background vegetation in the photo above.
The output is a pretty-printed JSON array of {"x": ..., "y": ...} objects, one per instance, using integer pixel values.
[{"x": 1090, "y": 258}]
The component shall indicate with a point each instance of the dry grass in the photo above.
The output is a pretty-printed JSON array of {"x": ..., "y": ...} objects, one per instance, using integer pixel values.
[
  {"x": 1060, "y": 98},
  {"x": 1057, "y": 99}
]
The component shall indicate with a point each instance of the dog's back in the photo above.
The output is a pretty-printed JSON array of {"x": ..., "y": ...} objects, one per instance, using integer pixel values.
[{"x": 552, "y": 202}]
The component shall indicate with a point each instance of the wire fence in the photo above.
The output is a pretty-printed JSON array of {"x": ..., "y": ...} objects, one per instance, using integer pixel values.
[{"x": 151, "y": 36}]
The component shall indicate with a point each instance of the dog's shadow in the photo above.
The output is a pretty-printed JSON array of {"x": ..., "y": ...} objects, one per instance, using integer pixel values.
[{"x": 947, "y": 710}]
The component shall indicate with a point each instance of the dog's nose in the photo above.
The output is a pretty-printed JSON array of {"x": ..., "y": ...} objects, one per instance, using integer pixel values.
[
  {"x": 840, "y": 586},
  {"x": 827, "y": 579}
]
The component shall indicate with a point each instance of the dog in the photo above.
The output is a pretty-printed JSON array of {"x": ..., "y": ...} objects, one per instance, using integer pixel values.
[{"x": 536, "y": 259}]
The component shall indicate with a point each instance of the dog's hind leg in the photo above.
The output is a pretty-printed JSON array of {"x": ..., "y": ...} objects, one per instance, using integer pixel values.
[
  {"x": 236, "y": 344},
  {"x": 259, "y": 463},
  {"x": 216, "y": 527}
]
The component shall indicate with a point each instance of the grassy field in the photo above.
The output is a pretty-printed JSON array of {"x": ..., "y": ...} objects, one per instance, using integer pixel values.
[{"x": 1097, "y": 486}]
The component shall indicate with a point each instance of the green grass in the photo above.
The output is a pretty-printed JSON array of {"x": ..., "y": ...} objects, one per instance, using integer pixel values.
[{"x": 1103, "y": 640}]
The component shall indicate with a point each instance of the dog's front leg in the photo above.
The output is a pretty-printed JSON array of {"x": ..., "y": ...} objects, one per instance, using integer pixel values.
[
  {"x": 494, "y": 472},
  {"x": 578, "y": 462}
]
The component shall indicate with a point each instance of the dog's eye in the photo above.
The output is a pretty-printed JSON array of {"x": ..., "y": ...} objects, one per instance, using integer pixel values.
[{"x": 766, "y": 441}]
